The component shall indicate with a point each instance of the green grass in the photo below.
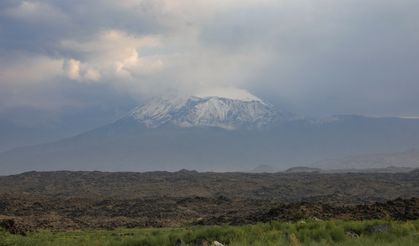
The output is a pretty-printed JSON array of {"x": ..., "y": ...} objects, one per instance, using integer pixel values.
[{"x": 315, "y": 233}]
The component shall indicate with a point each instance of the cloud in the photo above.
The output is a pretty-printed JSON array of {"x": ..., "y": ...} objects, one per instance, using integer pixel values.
[
  {"x": 80, "y": 72},
  {"x": 25, "y": 69},
  {"x": 319, "y": 57},
  {"x": 92, "y": 74},
  {"x": 34, "y": 11},
  {"x": 113, "y": 54},
  {"x": 72, "y": 69}
]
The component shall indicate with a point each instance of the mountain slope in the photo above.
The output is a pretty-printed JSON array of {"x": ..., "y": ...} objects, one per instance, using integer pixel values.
[
  {"x": 200, "y": 134},
  {"x": 397, "y": 160}
]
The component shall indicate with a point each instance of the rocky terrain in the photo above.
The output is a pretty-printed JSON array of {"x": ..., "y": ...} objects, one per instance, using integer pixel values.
[{"x": 72, "y": 200}]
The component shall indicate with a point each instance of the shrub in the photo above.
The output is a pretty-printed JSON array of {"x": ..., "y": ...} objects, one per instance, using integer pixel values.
[{"x": 313, "y": 233}]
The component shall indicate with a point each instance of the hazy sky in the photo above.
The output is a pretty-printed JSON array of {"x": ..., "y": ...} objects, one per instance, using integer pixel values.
[{"x": 313, "y": 57}]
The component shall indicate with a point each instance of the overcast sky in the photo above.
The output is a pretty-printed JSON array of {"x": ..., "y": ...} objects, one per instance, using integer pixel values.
[{"x": 312, "y": 57}]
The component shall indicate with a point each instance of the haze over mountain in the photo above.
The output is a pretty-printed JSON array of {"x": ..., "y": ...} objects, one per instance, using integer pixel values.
[
  {"x": 103, "y": 70},
  {"x": 409, "y": 158},
  {"x": 214, "y": 133}
]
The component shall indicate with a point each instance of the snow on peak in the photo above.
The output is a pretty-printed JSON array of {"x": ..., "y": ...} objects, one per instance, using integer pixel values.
[
  {"x": 205, "y": 111},
  {"x": 228, "y": 92}
]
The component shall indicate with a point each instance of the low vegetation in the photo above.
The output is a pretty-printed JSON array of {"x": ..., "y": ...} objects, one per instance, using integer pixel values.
[{"x": 305, "y": 232}]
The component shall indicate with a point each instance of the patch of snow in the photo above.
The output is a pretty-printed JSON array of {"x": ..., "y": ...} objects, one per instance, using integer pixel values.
[{"x": 197, "y": 111}]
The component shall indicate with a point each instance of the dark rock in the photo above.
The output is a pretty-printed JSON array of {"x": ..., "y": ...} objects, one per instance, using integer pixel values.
[
  {"x": 352, "y": 234},
  {"x": 201, "y": 242},
  {"x": 14, "y": 228},
  {"x": 378, "y": 228},
  {"x": 179, "y": 242}
]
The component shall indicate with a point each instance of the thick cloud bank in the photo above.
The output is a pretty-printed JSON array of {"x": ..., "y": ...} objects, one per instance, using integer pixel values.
[{"x": 314, "y": 57}]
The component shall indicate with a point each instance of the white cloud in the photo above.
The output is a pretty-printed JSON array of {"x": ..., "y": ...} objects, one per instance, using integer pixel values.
[
  {"x": 92, "y": 74},
  {"x": 72, "y": 69},
  {"x": 75, "y": 70},
  {"x": 115, "y": 54},
  {"x": 111, "y": 41}
]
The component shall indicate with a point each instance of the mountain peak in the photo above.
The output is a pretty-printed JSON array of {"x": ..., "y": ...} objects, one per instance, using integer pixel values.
[
  {"x": 228, "y": 93},
  {"x": 205, "y": 111}
]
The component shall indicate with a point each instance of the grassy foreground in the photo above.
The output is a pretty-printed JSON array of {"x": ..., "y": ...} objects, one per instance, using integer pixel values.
[{"x": 311, "y": 232}]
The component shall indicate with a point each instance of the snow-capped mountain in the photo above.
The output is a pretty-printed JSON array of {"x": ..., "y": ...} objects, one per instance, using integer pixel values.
[
  {"x": 206, "y": 111},
  {"x": 215, "y": 131}
]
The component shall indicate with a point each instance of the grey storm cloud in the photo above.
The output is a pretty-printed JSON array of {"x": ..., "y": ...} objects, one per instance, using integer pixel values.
[{"x": 314, "y": 57}]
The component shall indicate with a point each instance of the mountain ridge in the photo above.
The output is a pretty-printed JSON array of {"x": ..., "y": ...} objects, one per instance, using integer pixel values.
[
  {"x": 213, "y": 111},
  {"x": 237, "y": 140}
]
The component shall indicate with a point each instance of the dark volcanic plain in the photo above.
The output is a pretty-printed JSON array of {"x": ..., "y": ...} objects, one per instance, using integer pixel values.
[{"x": 73, "y": 200}]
